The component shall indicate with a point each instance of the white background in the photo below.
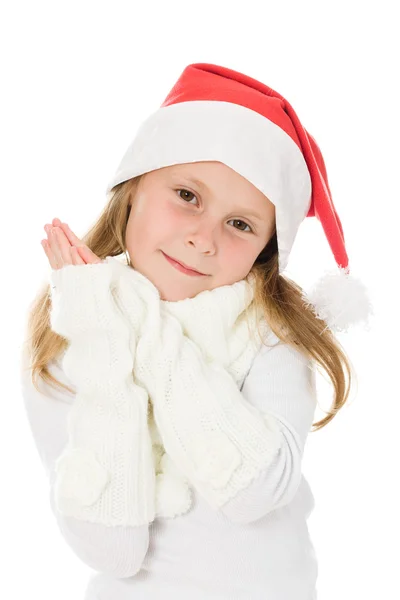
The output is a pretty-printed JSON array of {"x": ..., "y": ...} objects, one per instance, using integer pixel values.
[{"x": 77, "y": 79}]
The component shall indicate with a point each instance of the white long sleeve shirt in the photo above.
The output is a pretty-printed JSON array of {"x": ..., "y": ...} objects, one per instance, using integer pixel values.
[{"x": 256, "y": 547}]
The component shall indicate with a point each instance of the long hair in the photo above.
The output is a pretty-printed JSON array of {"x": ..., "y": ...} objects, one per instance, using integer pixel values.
[{"x": 277, "y": 296}]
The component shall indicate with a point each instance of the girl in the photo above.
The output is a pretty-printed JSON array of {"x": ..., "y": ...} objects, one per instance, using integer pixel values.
[{"x": 170, "y": 394}]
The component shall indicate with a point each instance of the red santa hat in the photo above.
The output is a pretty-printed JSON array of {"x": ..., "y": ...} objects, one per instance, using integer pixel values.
[{"x": 213, "y": 113}]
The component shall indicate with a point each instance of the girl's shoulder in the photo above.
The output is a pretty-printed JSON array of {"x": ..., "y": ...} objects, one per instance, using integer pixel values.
[{"x": 275, "y": 350}]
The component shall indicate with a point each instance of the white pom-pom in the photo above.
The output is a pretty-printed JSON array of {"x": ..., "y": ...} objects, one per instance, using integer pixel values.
[{"x": 339, "y": 299}]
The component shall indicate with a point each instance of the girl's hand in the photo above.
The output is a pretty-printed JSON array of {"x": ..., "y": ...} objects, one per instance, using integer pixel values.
[{"x": 63, "y": 248}]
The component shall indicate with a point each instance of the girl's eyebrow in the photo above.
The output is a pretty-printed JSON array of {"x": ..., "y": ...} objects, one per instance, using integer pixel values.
[
  {"x": 199, "y": 183},
  {"x": 205, "y": 187}
]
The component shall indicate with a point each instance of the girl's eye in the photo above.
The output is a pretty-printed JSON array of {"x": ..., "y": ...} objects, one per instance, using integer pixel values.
[
  {"x": 237, "y": 220},
  {"x": 186, "y": 192}
]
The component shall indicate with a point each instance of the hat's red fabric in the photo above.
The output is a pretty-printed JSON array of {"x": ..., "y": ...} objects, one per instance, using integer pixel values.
[{"x": 202, "y": 81}]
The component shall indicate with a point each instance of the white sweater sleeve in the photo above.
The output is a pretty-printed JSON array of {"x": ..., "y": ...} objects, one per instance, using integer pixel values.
[
  {"x": 280, "y": 383},
  {"x": 220, "y": 442},
  {"x": 116, "y": 551},
  {"x": 106, "y": 472}
]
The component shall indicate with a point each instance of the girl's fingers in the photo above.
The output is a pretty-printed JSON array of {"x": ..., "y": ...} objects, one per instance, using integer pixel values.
[
  {"x": 65, "y": 248},
  {"x": 76, "y": 257},
  {"x": 71, "y": 237},
  {"x": 84, "y": 251},
  {"x": 53, "y": 250},
  {"x": 49, "y": 254},
  {"x": 88, "y": 255},
  {"x": 61, "y": 250},
  {"x": 61, "y": 247}
]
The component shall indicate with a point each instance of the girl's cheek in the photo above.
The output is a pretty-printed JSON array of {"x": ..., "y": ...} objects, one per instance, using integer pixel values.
[{"x": 174, "y": 213}]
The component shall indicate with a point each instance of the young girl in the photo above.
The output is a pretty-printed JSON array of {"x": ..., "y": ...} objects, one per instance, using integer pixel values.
[{"x": 170, "y": 394}]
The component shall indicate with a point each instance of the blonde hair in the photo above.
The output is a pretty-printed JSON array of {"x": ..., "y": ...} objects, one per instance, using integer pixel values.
[{"x": 277, "y": 296}]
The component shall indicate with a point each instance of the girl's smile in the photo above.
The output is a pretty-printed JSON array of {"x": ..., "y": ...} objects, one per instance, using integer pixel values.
[{"x": 182, "y": 268}]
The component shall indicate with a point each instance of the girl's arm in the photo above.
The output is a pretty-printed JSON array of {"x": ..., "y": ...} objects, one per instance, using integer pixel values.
[
  {"x": 106, "y": 472},
  {"x": 116, "y": 551},
  {"x": 103, "y": 478},
  {"x": 243, "y": 459},
  {"x": 280, "y": 383}
]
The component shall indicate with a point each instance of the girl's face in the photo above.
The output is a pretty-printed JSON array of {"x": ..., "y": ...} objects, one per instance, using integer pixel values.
[{"x": 217, "y": 225}]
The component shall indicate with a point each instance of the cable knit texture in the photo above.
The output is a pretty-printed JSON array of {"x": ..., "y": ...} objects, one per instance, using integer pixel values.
[
  {"x": 106, "y": 473},
  {"x": 158, "y": 405}
]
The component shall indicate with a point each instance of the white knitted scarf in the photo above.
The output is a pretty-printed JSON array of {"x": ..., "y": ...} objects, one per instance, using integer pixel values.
[
  {"x": 224, "y": 325},
  {"x": 189, "y": 359}
]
